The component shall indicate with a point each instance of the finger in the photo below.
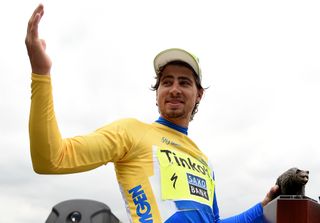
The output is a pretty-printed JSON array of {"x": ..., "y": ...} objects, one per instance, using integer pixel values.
[
  {"x": 36, "y": 16},
  {"x": 274, "y": 191},
  {"x": 34, "y": 27},
  {"x": 275, "y": 188},
  {"x": 271, "y": 194},
  {"x": 39, "y": 9},
  {"x": 32, "y": 30},
  {"x": 32, "y": 33}
]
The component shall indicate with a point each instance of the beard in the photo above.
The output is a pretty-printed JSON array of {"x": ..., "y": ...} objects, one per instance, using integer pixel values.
[{"x": 173, "y": 113}]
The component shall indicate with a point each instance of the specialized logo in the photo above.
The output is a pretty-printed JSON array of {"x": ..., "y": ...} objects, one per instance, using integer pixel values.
[
  {"x": 143, "y": 207},
  {"x": 197, "y": 186},
  {"x": 174, "y": 180}
]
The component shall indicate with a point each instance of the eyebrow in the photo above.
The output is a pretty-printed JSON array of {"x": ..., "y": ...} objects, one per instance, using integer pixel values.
[
  {"x": 185, "y": 78},
  {"x": 179, "y": 78}
]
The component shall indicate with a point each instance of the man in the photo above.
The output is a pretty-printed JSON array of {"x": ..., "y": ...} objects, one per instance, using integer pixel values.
[{"x": 163, "y": 175}]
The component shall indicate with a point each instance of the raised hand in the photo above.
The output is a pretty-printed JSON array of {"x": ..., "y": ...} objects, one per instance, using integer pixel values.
[{"x": 39, "y": 60}]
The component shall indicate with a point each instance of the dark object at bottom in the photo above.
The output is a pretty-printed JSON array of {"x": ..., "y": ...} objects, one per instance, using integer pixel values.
[
  {"x": 292, "y": 209},
  {"x": 81, "y": 211}
]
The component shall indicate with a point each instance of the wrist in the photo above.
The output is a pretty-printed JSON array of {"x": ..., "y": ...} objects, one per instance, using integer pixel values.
[{"x": 41, "y": 71}]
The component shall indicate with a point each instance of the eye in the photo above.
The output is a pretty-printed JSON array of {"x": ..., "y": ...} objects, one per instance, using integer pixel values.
[
  {"x": 185, "y": 83},
  {"x": 166, "y": 82}
]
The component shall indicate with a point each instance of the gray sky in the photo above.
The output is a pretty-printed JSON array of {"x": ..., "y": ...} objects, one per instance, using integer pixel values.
[{"x": 259, "y": 116}]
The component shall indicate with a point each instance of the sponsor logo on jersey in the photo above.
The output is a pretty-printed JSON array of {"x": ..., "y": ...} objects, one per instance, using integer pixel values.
[
  {"x": 184, "y": 177},
  {"x": 168, "y": 141},
  {"x": 143, "y": 207},
  {"x": 197, "y": 186},
  {"x": 185, "y": 162}
]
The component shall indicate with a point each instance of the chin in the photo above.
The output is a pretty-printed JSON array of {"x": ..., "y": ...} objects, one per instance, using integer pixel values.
[{"x": 175, "y": 115}]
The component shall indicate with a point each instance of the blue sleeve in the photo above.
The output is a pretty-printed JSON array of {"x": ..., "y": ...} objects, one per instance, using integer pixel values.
[{"x": 252, "y": 215}]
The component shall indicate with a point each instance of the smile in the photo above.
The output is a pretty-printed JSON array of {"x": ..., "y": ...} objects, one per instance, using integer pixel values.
[{"x": 174, "y": 102}]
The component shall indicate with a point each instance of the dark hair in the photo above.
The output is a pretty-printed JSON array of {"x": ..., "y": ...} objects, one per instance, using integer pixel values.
[{"x": 196, "y": 78}]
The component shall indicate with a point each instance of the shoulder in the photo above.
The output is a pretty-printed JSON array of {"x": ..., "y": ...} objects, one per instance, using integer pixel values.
[
  {"x": 130, "y": 122},
  {"x": 126, "y": 124}
]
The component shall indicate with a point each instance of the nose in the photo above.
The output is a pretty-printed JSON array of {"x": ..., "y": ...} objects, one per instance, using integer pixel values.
[{"x": 175, "y": 88}]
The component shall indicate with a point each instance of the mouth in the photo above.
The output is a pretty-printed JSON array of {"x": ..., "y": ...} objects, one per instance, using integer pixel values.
[{"x": 174, "y": 101}]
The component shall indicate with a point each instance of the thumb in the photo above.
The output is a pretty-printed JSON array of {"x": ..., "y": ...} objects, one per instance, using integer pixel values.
[{"x": 43, "y": 44}]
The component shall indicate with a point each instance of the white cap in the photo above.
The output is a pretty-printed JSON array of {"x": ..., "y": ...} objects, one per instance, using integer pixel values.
[{"x": 176, "y": 54}]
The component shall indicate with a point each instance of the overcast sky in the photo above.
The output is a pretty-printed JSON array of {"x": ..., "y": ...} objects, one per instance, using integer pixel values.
[{"x": 259, "y": 117}]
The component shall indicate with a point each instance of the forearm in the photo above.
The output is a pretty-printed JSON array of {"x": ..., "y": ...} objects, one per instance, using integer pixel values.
[
  {"x": 45, "y": 138},
  {"x": 252, "y": 215}
]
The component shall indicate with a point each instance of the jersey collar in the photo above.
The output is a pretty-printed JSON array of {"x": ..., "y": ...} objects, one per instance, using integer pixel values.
[{"x": 179, "y": 128}]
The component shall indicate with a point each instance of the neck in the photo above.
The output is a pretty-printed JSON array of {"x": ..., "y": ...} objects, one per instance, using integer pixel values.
[
  {"x": 172, "y": 125},
  {"x": 177, "y": 121}
]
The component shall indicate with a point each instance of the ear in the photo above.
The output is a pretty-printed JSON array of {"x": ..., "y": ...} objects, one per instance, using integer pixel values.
[
  {"x": 156, "y": 97},
  {"x": 200, "y": 94}
]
